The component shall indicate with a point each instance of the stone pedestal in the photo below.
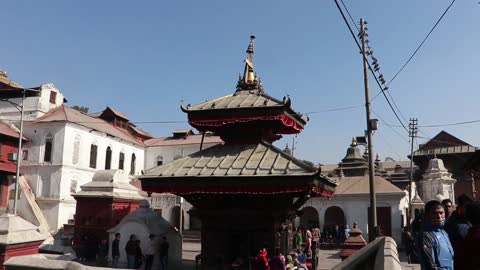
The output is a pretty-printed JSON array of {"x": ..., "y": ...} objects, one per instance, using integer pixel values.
[
  {"x": 18, "y": 237},
  {"x": 101, "y": 204},
  {"x": 437, "y": 182},
  {"x": 353, "y": 243}
]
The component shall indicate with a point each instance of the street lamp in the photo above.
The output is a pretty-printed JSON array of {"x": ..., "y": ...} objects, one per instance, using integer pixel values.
[{"x": 7, "y": 93}]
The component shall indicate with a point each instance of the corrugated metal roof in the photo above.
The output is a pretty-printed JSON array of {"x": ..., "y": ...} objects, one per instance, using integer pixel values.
[
  {"x": 191, "y": 139},
  {"x": 360, "y": 185},
  {"x": 241, "y": 99},
  {"x": 7, "y": 130},
  {"x": 117, "y": 113},
  {"x": 67, "y": 114},
  {"x": 7, "y": 83},
  {"x": 260, "y": 159}
]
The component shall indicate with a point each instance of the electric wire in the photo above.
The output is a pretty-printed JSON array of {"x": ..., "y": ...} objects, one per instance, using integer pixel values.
[
  {"x": 335, "y": 109},
  {"x": 444, "y": 125},
  {"x": 369, "y": 67},
  {"x": 391, "y": 127},
  {"x": 385, "y": 141},
  {"x": 421, "y": 43}
]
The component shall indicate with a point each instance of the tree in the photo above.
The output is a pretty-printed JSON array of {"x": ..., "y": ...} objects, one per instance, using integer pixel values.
[{"x": 83, "y": 109}]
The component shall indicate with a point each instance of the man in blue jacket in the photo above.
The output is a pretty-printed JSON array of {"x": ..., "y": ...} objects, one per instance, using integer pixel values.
[{"x": 433, "y": 244}]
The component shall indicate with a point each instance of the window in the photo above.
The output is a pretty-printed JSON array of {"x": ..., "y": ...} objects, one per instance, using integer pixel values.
[
  {"x": 25, "y": 154},
  {"x": 53, "y": 97},
  {"x": 132, "y": 165},
  {"x": 108, "y": 158},
  {"x": 121, "y": 161},
  {"x": 93, "y": 156},
  {"x": 159, "y": 160},
  {"x": 48, "y": 149},
  {"x": 76, "y": 150},
  {"x": 73, "y": 186}
]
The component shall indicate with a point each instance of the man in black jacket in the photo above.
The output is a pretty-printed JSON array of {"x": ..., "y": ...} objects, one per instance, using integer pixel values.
[{"x": 116, "y": 250}]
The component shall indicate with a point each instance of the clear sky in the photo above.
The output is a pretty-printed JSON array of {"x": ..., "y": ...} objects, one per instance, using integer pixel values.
[{"x": 143, "y": 57}]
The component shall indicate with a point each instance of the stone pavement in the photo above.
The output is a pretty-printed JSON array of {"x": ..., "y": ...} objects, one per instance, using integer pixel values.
[{"x": 326, "y": 258}]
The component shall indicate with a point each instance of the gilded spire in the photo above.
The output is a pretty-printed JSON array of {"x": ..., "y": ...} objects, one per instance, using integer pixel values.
[
  {"x": 249, "y": 73},
  {"x": 354, "y": 142}
]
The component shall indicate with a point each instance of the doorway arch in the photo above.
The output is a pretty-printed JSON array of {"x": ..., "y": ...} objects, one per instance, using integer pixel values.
[
  {"x": 175, "y": 217},
  {"x": 334, "y": 216},
  {"x": 310, "y": 218}
]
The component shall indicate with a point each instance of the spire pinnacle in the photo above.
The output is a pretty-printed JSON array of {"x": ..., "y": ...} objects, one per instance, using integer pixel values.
[
  {"x": 354, "y": 142},
  {"x": 248, "y": 73}
]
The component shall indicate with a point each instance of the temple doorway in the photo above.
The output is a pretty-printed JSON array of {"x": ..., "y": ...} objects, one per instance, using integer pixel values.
[
  {"x": 334, "y": 216},
  {"x": 175, "y": 217},
  {"x": 310, "y": 218}
]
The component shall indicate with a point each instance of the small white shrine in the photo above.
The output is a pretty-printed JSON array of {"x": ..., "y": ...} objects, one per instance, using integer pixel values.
[
  {"x": 142, "y": 222},
  {"x": 437, "y": 182}
]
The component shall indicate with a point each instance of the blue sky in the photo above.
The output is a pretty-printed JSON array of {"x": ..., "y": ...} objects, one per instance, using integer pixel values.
[{"x": 143, "y": 57}]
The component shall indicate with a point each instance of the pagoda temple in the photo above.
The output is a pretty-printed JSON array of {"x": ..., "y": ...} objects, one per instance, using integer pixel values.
[{"x": 246, "y": 190}]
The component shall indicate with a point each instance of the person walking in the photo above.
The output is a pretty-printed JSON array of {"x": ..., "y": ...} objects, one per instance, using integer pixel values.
[
  {"x": 466, "y": 255},
  {"x": 150, "y": 252},
  {"x": 164, "y": 254},
  {"x": 433, "y": 245},
  {"x": 131, "y": 250},
  {"x": 116, "y": 250}
]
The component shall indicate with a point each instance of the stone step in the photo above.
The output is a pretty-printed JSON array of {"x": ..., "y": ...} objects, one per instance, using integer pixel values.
[{"x": 192, "y": 236}]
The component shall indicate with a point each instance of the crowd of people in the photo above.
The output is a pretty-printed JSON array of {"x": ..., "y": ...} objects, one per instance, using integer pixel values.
[
  {"x": 294, "y": 260},
  {"x": 444, "y": 238},
  {"x": 136, "y": 258},
  {"x": 302, "y": 243}
]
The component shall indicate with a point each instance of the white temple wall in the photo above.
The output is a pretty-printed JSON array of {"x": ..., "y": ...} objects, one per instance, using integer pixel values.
[{"x": 355, "y": 209}]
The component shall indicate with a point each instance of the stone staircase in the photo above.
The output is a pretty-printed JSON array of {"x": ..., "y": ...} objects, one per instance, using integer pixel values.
[{"x": 192, "y": 236}]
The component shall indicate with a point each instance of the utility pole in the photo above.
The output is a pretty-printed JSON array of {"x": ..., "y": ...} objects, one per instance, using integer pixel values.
[
  {"x": 412, "y": 132},
  {"x": 373, "y": 230}
]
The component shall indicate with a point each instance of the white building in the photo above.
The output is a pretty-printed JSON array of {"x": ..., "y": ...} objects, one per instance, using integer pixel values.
[
  {"x": 350, "y": 203},
  {"x": 50, "y": 98},
  {"x": 351, "y": 200},
  {"x": 66, "y": 147}
]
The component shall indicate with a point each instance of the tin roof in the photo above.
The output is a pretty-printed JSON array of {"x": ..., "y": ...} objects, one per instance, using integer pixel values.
[
  {"x": 240, "y": 99},
  {"x": 7, "y": 130},
  {"x": 67, "y": 114},
  {"x": 6, "y": 83},
  {"x": 260, "y": 159},
  {"x": 360, "y": 185},
  {"x": 191, "y": 139}
]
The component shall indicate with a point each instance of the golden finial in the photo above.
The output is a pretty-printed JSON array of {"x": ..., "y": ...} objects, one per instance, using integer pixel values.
[
  {"x": 354, "y": 142},
  {"x": 249, "y": 74}
]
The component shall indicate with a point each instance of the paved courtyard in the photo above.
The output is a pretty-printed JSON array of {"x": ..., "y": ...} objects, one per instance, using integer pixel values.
[{"x": 327, "y": 258}]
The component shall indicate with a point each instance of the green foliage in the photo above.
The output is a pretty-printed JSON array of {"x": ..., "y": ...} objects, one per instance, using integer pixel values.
[{"x": 83, "y": 109}]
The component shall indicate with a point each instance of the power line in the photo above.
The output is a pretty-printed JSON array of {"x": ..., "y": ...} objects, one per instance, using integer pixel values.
[
  {"x": 350, "y": 15},
  {"x": 369, "y": 66},
  {"x": 390, "y": 126},
  {"x": 444, "y": 125},
  {"x": 335, "y": 109},
  {"x": 421, "y": 44},
  {"x": 388, "y": 144}
]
